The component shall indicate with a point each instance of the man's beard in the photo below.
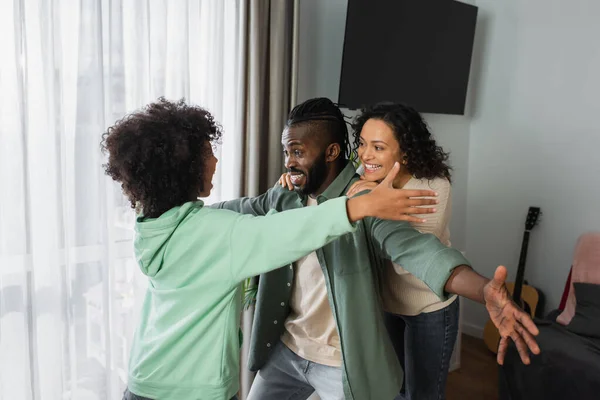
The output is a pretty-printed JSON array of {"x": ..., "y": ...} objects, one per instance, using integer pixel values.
[{"x": 316, "y": 176}]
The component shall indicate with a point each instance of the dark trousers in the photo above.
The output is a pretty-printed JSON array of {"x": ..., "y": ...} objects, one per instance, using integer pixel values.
[{"x": 424, "y": 345}]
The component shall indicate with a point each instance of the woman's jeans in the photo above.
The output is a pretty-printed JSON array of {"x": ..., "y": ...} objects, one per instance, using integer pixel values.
[{"x": 424, "y": 345}]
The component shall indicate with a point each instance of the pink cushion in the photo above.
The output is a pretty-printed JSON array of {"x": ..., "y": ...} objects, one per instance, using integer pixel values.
[{"x": 586, "y": 269}]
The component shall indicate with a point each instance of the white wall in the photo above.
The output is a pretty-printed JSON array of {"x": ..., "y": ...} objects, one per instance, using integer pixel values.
[
  {"x": 534, "y": 138},
  {"x": 320, "y": 41},
  {"x": 321, "y": 37}
]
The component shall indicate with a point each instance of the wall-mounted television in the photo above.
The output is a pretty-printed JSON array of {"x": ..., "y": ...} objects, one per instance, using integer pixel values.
[{"x": 413, "y": 51}]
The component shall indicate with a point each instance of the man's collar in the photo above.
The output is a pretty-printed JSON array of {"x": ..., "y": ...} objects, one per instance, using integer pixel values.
[{"x": 340, "y": 183}]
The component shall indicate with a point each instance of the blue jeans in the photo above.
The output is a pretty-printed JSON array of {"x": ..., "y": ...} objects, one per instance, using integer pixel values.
[
  {"x": 424, "y": 345},
  {"x": 287, "y": 376},
  {"x": 130, "y": 396}
]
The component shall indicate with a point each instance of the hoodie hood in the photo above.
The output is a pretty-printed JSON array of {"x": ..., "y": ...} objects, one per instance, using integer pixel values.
[{"x": 152, "y": 236}]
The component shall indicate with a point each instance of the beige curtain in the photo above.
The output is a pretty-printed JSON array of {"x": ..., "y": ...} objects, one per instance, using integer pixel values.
[
  {"x": 267, "y": 88},
  {"x": 267, "y": 94}
]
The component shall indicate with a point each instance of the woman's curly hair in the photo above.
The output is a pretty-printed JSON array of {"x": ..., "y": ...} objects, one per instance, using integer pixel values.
[
  {"x": 158, "y": 154},
  {"x": 424, "y": 158}
]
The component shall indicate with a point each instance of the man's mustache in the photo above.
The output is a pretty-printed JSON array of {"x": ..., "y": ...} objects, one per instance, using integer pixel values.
[{"x": 290, "y": 170}]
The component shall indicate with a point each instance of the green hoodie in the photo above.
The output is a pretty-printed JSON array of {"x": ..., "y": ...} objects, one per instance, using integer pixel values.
[{"x": 187, "y": 344}]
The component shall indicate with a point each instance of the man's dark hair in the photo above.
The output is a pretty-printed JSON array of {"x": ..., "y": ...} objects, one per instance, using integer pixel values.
[
  {"x": 158, "y": 154},
  {"x": 323, "y": 117},
  {"x": 424, "y": 158}
]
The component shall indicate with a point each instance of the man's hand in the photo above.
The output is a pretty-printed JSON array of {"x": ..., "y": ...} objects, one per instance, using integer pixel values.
[
  {"x": 385, "y": 202},
  {"x": 510, "y": 320}
]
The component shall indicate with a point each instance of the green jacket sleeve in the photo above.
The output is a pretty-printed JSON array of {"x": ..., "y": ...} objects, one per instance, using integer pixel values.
[
  {"x": 259, "y": 205},
  {"x": 261, "y": 244},
  {"x": 423, "y": 255}
]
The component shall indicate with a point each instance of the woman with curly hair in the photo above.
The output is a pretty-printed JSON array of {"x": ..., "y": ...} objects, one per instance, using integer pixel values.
[
  {"x": 423, "y": 329},
  {"x": 186, "y": 345}
]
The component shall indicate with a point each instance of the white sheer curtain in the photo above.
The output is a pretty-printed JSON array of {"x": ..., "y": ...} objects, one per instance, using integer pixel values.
[{"x": 69, "y": 69}]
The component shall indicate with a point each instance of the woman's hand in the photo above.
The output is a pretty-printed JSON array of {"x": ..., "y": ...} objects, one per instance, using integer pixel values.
[
  {"x": 285, "y": 181},
  {"x": 359, "y": 186}
]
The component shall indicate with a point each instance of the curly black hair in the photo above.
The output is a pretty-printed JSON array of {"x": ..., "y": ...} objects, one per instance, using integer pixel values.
[
  {"x": 424, "y": 158},
  {"x": 158, "y": 154},
  {"x": 323, "y": 113}
]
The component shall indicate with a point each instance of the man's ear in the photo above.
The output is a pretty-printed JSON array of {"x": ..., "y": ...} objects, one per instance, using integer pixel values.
[{"x": 333, "y": 152}]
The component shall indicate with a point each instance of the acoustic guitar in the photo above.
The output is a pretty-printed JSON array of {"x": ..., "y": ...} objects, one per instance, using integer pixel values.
[{"x": 527, "y": 297}]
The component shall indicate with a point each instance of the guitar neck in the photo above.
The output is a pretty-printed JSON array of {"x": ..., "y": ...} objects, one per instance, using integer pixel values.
[{"x": 521, "y": 269}]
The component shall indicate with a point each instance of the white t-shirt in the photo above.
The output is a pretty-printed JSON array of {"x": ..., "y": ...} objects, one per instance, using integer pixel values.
[{"x": 310, "y": 329}]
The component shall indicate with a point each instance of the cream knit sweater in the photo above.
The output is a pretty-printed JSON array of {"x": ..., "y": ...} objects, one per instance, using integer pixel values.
[{"x": 402, "y": 292}]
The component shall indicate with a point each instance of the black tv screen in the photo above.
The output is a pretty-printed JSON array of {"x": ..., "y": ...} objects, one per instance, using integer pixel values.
[{"x": 416, "y": 52}]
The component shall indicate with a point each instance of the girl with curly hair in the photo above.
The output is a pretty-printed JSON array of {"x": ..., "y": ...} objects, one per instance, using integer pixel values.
[
  {"x": 423, "y": 328},
  {"x": 186, "y": 345}
]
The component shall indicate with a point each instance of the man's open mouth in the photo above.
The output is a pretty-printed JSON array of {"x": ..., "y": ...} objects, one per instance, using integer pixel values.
[{"x": 297, "y": 178}]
